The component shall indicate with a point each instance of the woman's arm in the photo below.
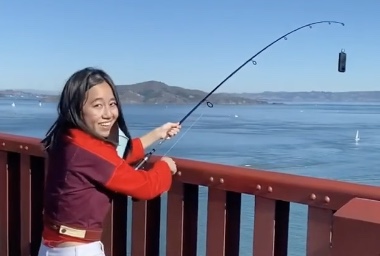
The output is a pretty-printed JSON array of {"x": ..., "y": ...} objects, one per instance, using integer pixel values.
[
  {"x": 140, "y": 144},
  {"x": 137, "y": 151},
  {"x": 163, "y": 132},
  {"x": 142, "y": 185},
  {"x": 148, "y": 139},
  {"x": 101, "y": 164}
]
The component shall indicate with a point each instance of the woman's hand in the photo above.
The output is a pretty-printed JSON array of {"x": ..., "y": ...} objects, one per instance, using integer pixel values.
[
  {"x": 171, "y": 163},
  {"x": 168, "y": 130}
]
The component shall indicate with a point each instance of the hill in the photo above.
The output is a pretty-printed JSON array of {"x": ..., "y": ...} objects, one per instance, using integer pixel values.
[
  {"x": 150, "y": 92},
  {"x": 153, "y": 92},
  {"x": 316, "y": 96}
]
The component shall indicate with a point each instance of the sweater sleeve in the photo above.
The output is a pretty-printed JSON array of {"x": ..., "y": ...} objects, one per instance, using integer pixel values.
[
  {"x": 103, "y": 166},
  {"x": 137, "y": 152},
  {"x": 143, "y": 185}
]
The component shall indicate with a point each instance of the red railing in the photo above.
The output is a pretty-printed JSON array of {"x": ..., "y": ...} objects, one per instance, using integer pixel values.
[{"x": 337, "y": 214}]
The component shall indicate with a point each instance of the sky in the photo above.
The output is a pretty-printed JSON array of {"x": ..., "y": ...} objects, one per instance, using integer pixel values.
[{"x": 192, "y": 44}]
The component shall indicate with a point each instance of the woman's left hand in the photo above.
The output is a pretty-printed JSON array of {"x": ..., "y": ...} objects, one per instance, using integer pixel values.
[{"x": 168, "y": 130}]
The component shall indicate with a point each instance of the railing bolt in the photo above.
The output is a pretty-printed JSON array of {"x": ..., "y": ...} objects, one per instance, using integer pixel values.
[
  {"x": 327, "y": 199},
  {"x": 179, "y": 173},
  {"x": 211, "y": 179},
  {"x": 258, "y": 187},
  {"x": 26, "y": 147},
  {"x": 221, "y": 180},
  {"x": 313, "y": 196},
  {"x": 4, "y": 144},
  {"x": 270, "y": 189},
  {"x": 21, "y": 146}
]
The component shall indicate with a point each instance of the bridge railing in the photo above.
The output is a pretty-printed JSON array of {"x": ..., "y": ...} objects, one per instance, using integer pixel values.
[{"x": 22, "y": 174}]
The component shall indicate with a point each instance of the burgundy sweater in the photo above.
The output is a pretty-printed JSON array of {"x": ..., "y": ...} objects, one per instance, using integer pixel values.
[{"x": 83, "y": 172}]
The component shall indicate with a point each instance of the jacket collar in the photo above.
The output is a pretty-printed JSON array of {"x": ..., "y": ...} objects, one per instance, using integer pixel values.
[{"x": 81, "y": 137}]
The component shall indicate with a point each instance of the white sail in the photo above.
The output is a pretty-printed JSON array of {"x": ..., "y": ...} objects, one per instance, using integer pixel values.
[{"x": 357, "y": 138}]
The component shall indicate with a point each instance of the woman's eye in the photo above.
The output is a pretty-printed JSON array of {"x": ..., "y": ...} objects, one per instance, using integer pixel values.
[{"x": 97, "y": 105}]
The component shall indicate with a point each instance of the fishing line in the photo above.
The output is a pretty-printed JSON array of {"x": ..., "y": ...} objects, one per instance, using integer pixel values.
[
  {"x": 183, "y": 134},
  {"x": 209, "y": 104}
]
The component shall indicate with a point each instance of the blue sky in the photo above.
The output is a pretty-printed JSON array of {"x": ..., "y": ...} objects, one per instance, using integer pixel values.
[{"x": 193, "y": 44}]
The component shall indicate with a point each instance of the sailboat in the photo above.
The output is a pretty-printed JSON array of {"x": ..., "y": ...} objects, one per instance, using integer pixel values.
[{"x": 357, "y": 138}]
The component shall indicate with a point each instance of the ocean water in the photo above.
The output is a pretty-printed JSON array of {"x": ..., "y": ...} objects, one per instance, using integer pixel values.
[{"x": 307, "y": 139}]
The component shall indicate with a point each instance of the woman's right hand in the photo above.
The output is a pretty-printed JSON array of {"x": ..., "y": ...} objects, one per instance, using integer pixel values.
[{"x": 171, "y": 163}]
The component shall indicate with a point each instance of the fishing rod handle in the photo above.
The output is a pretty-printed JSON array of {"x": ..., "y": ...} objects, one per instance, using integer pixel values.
[
  {"x": 142, "y": 162},
  {"x": 145, "y": 159},
  {"x": 148, "y": 155}
]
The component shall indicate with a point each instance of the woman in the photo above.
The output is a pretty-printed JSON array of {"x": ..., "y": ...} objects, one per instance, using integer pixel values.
[{"x": 85, "y": 168}]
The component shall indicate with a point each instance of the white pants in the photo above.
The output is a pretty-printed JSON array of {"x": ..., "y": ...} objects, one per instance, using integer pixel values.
[{"x": 90, "y": 249}]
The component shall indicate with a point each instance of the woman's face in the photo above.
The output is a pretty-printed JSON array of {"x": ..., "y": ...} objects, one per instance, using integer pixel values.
[{"x": 100, "y": 110}]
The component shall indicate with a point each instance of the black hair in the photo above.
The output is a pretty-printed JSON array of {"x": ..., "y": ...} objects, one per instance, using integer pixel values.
[{"x": 71, "y": 104}]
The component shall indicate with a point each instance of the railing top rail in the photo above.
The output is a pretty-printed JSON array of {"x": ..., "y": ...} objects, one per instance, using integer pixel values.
[
  {"x": 320, "y": 192},
  {"x": 21, "y": 144}
]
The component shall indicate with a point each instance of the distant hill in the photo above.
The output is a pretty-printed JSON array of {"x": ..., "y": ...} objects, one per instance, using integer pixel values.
[
  {"x": 39, "y": 92},
  {"x": 316, "y": 96},
  {"x": 154, "y": 92},
  {"x": 150, "y": 92}
]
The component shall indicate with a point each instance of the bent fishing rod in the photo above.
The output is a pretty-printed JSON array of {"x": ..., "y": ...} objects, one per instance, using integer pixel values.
[{"x": 209, "y": 104}]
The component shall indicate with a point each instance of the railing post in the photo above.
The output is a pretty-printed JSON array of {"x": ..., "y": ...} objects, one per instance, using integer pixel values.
[
  {"x": 4, "y": 206},
  {"x": 319, "y": 223},
  {"x": 25, "y": 204}
]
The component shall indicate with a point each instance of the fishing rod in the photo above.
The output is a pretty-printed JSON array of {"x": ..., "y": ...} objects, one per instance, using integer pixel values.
[{"x": 209, "y": 104}]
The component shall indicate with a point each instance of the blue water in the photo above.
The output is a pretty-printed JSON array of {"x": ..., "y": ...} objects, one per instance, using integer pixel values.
[{"x": 307, "y": 139}]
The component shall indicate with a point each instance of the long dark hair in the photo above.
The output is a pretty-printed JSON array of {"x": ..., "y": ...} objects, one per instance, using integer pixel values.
[{"x": 71, "y": 103}]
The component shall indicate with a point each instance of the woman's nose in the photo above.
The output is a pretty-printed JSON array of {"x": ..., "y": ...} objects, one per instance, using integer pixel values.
[{"x": 107, "y": 113}]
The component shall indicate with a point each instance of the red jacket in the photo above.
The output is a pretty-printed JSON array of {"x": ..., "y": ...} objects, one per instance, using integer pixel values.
[{"x": 84, "y": 170}]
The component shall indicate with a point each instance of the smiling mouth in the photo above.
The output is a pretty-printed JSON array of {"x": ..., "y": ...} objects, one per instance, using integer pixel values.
[{"x": 106, "y": 124}]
